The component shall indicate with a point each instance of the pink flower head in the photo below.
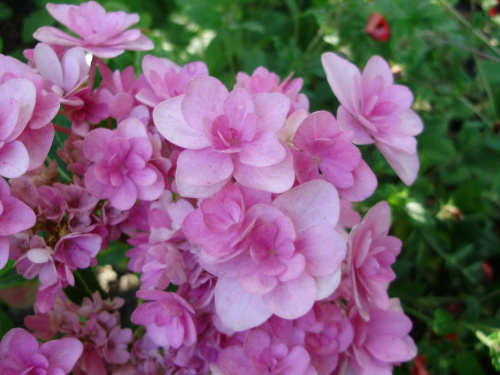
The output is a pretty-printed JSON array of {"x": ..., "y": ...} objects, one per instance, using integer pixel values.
[
  {"x": 63, "y": 76},
  {"x": 38, "y": 261},
  {"x": 371, "y": 252},
  {"x": 263, "y": 353},
  {"x": 226, "y": 134},
  {"x": 121, "y": 171},
  {"x": 169, "y": 319},
  {"x": 327, "y": 149},
  {"x": 102, "y": 34},
  {"x": 377, "y": 111},
  {"x": 15, "y": 216},
  {"x": 77, "y": 250},
  {"x": 381, "y": 342},
  {"x": 166, "y": 79},
  {"x": 220, "y": 223},
  {"x": 20, "y": 353},
  {"x": 262, "y": 81},
  {"x": 292, "y": 259}
]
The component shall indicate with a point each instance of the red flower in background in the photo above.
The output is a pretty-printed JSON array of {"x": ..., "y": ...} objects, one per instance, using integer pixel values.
[
  {"x": 378, "y": 28},
  {"x": 495, "y": 10}
]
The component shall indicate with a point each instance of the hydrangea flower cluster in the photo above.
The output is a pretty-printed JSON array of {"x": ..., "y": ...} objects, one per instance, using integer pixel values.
[{"x": 236, "y": 205}]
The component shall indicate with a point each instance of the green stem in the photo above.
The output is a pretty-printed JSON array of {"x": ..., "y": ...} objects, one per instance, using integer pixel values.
[
  {"x": 461, "y": 20},
  {"x": 85, "y": 286}
]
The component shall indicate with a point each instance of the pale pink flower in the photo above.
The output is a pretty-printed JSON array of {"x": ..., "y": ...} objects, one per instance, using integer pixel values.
[
  {"x": 377, "y": 111},
  {"x": 166, "y": 79},
  {"x": 169, "y": 319},
  {"x": 380, "y": 343},
  {"x": 102, "y": 34},
  {"x": 262, "y": 81},
  {"x": 15, "y": 217},
  {"x": 226, "y": 134},
  {"x": 121, "y": 171},
  {"x": 327, "y": 152},
  {"x": 371, "y": 252},
  {"x": 291, "y": 259},
  {"x": 20, "y": 353},
  {"x": 63, "y": 75},
  {"x": 263, "y": 353}
]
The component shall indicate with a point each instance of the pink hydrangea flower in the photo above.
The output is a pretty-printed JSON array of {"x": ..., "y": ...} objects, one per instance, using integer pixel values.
[
  {"x": 226, "y": 134},
  {"x": 169, "y": 319},
  {"x": 63, "y": 75},
  {"x": 15, "y": 216},
  {"x": 325, "y": 148},
  {"x": 121, "y": 171},
  {"x": 371, "y": 252},
  {"x": 20, "y": 353},
  {"x": 166, "y": 79},
  {"x": 102, "y": 34},
  {"x": 263, "y": 353},
  {"x": 37, "y": 136},
  {"x": 380, "y": 343},
  {"x": 377, "y": 111},
  {"x": 262, "y": 81},
  {"x": 291, "y": 259}
]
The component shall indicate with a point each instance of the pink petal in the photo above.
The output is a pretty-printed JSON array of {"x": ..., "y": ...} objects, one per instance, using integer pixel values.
[
  {"x": 275, "y": 178},
  {"x": 262, "y": 152},
  {"x": 4, "y": 251},
  {"x": 24, "y": 92},
  {"x": 344, "y": 79},
  {"x": 292, "y": 299},
  {"x": 52, "y": 35},
  {"x": 14, "y": 159},
  {"x": 203, "y": 167},
  {"x": 326, "y": 285},
  {"x": 377, "y": 67},
  {"x": 271, "y": 110},
  {"x": 236, "y": 308},
  {"x": 48, "y": 64},
  {"x": 348, "y": 122},
  {"x": 170, "y": 122},
  {"x": 312, "y": 203},
  {"x": 38, "y": 142},
  {"x": 318, "y": 125},
  {"x": 62, "y": 353},
  {"x": 365, "y": 183},
  {"x": 406, "y": 166}
]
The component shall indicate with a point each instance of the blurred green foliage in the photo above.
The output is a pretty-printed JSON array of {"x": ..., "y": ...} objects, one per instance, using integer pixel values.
[{"x": 447, "y": 53}]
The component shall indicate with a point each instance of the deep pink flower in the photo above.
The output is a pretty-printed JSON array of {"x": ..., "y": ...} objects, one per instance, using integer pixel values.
[
  {"x": 20, "y": 353},
  {"x": 169, "y": 319},
  {"x": 226, "y": 134},
  {"x": 77, "y": 250},
  {"x": 371, "y": 252},
  {"x": 166, "y": 79},
  {"x": 378, "y": 28},
  {"x": 103, "y": 34},
  {"x": 121, "y": 171},
  {"x": 377, "y": 111},
  {"x": 325, "y": 149}
]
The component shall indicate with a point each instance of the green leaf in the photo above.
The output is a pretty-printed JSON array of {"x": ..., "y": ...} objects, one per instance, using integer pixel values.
[
  {"x": 114, "y": 255},
  {"x": 443, "y": 322},
  {"x": 466, "y": 363},
  {"x": 7, "y": 323},
  {"x": 34, "y": 21},
  {"x": 5, "y": 12},
  {"x": 11, "y": 278}
]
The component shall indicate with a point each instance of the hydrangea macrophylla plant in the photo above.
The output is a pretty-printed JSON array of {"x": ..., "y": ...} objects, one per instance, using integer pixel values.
[
  {"x": 377, "y": 111},
  {"x": 237, "y": 205}
]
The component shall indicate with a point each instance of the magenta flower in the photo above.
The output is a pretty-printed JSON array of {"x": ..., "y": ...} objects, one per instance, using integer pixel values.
[
  {"x": 77, "y": 250},
  {"x": 377, "y": 111},
  {"x": 20, "y": 353},
  {"x": 371, "y": 252},
  {"x": 122, "y": 171},
  {"x": 15, "y": 216},
  {"x": 169, "y": 319},
  {"x": 166, "y": 79},
  {"x": 102, "y": 34},
  {"x": 226, "y": 134},
  {"x": 326, "y": 149}
]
